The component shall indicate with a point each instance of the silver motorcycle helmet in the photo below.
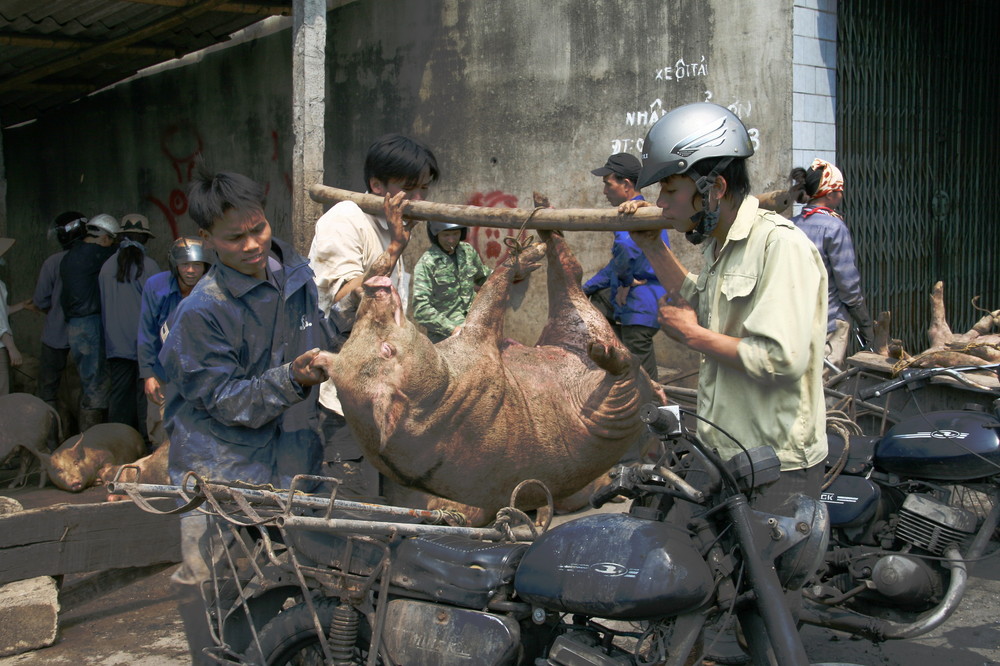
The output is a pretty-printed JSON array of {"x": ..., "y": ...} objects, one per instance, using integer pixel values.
[
  {"x": 689, "y": 135},
  {"x": 186, "y": 249},
  {"x": 434, "y": 228}
]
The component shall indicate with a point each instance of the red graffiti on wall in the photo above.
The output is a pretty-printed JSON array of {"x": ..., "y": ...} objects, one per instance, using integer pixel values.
[
  {"x": 181, "y": 144},
  {"x": 489, "y": 242}
]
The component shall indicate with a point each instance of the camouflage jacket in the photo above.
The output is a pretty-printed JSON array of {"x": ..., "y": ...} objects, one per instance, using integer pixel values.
[{"x": 444, "y": 286}]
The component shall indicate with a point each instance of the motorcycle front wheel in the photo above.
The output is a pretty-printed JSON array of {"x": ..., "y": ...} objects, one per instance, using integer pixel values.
[{"x": 291, "y": 639}]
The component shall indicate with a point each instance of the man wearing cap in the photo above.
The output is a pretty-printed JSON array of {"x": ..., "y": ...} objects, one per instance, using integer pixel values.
[
  {"x": 81, "y": 303},
  {"x": 122, "y": 279},
  {"x": 626, "y": 291}
]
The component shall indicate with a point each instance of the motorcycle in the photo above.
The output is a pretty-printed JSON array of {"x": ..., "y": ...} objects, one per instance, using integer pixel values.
[
  {"x": 310, "y": 579},
  {"x": 908, "y": 511}
]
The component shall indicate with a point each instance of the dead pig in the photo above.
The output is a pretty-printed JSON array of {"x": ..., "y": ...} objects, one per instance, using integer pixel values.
[
  {"x": 28, "y": 423},
  {"x": 151, "y": 469},
  {"x": 83, "y": 460},
  {"x": 471, "y": 417}
]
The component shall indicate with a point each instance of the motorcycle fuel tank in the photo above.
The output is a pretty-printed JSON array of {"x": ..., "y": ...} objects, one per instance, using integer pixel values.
[
  {"x": 614, "y": 566},
  {"x": 946, "y": 446}
]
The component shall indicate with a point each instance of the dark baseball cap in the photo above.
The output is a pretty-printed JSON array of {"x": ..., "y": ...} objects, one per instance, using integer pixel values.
[{"x": 623, "y": 165}]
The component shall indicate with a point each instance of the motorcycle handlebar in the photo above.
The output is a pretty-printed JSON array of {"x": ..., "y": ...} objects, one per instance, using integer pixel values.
[
  {"x": 909, "y": 376},
  {"x": 603, "y": 495}
]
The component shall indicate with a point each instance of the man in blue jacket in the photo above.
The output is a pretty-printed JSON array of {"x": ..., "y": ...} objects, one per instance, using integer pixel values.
[
  {"x": 238, "y": 362},
  {"x": 626, "y": 291}
]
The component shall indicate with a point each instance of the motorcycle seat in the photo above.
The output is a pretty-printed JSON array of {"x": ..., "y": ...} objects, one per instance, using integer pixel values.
[
  {"x": 454, "y": 569},
  {"x": 860, "y": 453}
]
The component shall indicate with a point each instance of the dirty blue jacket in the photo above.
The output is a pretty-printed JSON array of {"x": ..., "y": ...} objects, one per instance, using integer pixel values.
[
  {"x": 232, "y": 410},
  {"x": 160, "y": 297},
  {"x": 628, "y": 263}
]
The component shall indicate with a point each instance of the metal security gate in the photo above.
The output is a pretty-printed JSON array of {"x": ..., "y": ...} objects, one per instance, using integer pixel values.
[{"x": 918, "y": 115}]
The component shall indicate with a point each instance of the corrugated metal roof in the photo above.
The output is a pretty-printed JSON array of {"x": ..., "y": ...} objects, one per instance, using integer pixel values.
[{"x": 55, "y": 51}]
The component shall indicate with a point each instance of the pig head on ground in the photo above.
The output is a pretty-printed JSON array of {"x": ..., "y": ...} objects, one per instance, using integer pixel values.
[
  {"x": 31, "y": 425},
  {"x": 83, "y": 460},
  {"x": 474, "y": 415}
]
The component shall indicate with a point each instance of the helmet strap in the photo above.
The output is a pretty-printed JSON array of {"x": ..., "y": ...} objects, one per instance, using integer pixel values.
[{"x": 708, "y": 217}]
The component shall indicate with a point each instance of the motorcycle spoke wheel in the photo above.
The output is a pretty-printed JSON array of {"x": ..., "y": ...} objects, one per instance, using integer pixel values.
[{"x": 290, "y": 639}]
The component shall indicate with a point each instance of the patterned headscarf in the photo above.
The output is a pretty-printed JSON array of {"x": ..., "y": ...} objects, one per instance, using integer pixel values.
[{"x": 831, "y": 181}]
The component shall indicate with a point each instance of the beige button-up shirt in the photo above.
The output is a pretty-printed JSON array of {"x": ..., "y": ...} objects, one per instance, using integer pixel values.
[
  {"x": 767, "y": 286},
  {"x": 346, "y": 243}
]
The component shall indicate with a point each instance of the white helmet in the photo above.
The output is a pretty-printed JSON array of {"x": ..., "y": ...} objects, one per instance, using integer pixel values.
[{"x": 104, "y": 223}]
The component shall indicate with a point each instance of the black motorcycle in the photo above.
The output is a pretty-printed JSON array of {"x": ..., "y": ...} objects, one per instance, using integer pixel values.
[
  {"x": 908, "y": 511},
  {"x": 307, "y": 579}
]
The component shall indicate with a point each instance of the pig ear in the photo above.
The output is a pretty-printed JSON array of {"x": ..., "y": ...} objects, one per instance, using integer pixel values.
[{"x": 388, "y": 409}]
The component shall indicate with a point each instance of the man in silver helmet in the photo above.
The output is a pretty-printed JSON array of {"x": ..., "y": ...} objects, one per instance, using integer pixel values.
[
  {"x": 445, "y": 281},
  {"x": 756, "y": 312},
  {"x": 160, "y": 296}
]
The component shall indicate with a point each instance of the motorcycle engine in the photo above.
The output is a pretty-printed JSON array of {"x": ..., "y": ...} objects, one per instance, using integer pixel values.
[
  {"x": 904, "y": 579},
  {"x": 932, "y": 525}
]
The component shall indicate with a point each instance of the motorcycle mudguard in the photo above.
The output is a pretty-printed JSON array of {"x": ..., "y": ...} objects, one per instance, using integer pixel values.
[
  {"x": 614, "y": 566},
  {"x": 954, "y": 445}
]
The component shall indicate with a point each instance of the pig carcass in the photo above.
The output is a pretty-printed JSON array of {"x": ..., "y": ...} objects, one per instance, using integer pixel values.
[
  {"x": 85, "y": 459},
  {"x": 472, "y": 416},
  {"x": 30, "y": 424},
  {"x": 148, "y": 469}
]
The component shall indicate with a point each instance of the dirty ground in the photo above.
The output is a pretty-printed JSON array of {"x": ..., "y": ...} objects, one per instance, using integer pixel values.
[{"x": 138, "y": 626}]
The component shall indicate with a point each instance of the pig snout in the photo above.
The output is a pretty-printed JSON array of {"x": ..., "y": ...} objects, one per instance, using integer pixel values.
[{"x": 380, "y": 291}]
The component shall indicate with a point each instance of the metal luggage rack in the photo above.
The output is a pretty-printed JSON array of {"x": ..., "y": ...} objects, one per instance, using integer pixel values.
[{"x": 265, "y": 539}]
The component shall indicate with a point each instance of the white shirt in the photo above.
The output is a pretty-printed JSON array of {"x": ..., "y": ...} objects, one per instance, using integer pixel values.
[{"x": 346, "y": 243}]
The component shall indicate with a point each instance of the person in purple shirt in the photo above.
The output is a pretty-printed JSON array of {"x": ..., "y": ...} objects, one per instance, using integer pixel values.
[{"x": 626, "y": 291}]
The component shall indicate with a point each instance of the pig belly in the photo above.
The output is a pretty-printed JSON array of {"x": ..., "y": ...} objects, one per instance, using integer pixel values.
[{"x": 546, "y": 414}]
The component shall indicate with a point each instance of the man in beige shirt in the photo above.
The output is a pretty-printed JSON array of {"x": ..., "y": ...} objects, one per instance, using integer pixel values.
[
  {"x": 756, "y": 313},
  {"x": 346, "y": 243}
]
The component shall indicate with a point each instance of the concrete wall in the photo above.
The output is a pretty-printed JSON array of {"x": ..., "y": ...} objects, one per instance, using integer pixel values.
[{"x": 513, "y": 97}]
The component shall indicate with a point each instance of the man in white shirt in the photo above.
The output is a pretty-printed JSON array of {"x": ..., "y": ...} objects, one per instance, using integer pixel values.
[{"x": 346, "y": 243}]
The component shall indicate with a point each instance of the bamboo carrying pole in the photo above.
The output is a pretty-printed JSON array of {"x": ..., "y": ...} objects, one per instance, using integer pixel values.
[{"x": 562, "y": 219}]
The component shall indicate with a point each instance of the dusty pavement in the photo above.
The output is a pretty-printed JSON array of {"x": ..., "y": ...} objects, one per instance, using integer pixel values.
[{"x": 138, "y": 626}]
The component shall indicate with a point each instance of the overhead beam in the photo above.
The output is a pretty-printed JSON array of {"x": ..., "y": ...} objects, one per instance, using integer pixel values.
[
  {"x": 34, "y": 42},
  {"x": 168, "y": 23},
  {"x": 228, "y": 7}
]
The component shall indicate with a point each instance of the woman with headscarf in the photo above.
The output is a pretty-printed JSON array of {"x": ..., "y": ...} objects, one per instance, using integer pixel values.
[
  {"x": 822, "y": 190},
  {"x": 122, "y": 279}
]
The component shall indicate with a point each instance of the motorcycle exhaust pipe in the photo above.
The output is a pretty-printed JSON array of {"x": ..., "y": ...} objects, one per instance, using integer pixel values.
[{"x": 878, "y": 630}]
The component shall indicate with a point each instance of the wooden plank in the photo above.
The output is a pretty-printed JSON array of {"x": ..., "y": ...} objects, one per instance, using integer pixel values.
[
  {"x": 101, "y": 583},
  {"x": 82, "y": 538}
]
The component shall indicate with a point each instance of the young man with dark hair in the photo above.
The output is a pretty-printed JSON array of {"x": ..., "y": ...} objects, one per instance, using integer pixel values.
[
  {"x": 238, "y": 362},
  {"x": 626, "y": 291},
  {"x": 347, "y": 242}
]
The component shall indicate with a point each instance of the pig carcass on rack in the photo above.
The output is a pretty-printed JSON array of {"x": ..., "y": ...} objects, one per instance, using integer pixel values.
[{"x": 472, "y": 416}]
